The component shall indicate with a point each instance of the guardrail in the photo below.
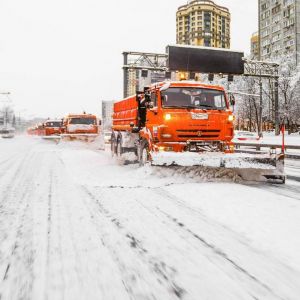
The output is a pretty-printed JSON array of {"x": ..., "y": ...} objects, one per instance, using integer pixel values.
[{"x": 259, "y": 146}]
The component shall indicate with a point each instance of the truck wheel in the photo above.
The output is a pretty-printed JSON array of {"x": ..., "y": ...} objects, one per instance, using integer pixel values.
[
  {"x": 144, "y": 156},
  {"x": 113, "y": 146},
  {"x": 119, "y": 150}
]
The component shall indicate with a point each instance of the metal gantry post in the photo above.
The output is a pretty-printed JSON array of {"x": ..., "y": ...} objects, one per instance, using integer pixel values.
[
  {"x": 136, "y": 61},
  {"x": 260, "y": 107},
  {"x": 269, "y": 70}
]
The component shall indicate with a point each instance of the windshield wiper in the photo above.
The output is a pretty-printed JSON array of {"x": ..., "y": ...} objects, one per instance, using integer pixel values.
[
  {"x": 189, "y": 106},
  {"x": 205, "y": 105},
  {"x": 171, "y": 106}
]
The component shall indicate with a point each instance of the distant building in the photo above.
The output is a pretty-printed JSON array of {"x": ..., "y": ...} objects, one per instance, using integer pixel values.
[
  {"x": 203, "y": 23},
  {"x": 133, "y": 82},
  {"x": 279, "y": 28},
  {"x": 107, "y": 111},
  {"x": 255, "y": 46}
]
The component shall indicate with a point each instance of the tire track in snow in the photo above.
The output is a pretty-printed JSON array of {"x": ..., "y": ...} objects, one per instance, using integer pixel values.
[
  {"x": 164, "y": 273},
  {"x": 50, "y": 233},
  {"x": 170, "y": 237},
  {"x": 264, "y": 260},
  {"x": 287, "y": 190},
  {"x": 8, "y": 162},
  {"x": 181, "y": 226},
  {"x": 12, "y": 175},
  {"x": 256, "y": 286},
  {"x": 64, "y": 209},
  {"x": 90, "y": 271},
  {"x": 54, "y": 281},
  {"x": 17, "y": 250}
]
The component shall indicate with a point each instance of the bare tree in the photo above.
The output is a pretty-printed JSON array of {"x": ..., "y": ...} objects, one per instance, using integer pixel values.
[{"x": 289, "y": 91}]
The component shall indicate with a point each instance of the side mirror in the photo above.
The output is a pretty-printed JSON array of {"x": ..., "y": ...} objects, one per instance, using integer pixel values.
[
  {"x": 147, "y": 97},
  {"x": 164, "y": 98},
  {"x": 99, "y": 122},
  {"x": 150, "y": 104}
]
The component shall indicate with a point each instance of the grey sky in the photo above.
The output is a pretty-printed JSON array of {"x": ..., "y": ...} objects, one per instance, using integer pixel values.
[{"x": 63, "y": 56}]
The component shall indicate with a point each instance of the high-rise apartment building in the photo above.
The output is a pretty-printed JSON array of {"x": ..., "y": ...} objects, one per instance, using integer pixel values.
[
  {"x": 107, "y": 111},
  {"x": 255, "y": 46},
  {"x": 279, "y": 28},
  {"x": 203, "y": 23},
  {"x": 133, "y": 79}
]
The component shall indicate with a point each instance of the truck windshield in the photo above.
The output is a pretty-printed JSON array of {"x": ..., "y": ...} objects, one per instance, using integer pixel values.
[
  {"x": 7, "y": 131},
  {"x": 53, "y": 124},
  {"x": 84, "y": 121},
  {"x": 200, "y": 98}
]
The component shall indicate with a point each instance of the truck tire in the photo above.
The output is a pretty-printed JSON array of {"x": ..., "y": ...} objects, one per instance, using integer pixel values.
[
  {"x": 144, "y": 157},
  {"x": 113, "y": 145},
  {"x": 119, "y": 149}
]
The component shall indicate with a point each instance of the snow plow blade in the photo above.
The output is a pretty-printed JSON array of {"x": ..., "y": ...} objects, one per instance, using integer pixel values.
[
  {"x": 255, "y": 168},
  {"x": 87, "y": 137},
  {"x": 54, "y": 138},
  {"x": 51, "y": 137}
]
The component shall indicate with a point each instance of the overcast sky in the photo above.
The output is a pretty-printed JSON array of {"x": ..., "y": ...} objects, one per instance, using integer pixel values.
[{"x": 61, "y": 56}]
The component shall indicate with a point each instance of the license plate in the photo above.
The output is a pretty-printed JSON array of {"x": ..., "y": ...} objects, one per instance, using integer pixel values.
[{"x": 200, "y": 116}]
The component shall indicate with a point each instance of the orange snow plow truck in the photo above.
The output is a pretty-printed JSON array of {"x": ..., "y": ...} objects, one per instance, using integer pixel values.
[
  {"x": 52, "y": 129},
  {"x": 186, "y": 124},
  {"x": 80, "y": 127}
]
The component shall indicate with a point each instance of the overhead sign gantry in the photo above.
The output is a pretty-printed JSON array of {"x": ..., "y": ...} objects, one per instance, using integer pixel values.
[{"x": 204, "y": 60}]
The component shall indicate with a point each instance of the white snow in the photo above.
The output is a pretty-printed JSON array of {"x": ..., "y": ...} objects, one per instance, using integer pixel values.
[{"x": 75, "y": 224}]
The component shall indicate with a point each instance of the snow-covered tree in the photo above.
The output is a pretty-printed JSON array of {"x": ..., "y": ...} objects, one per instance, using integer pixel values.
[{"x": 289, "y": 80}]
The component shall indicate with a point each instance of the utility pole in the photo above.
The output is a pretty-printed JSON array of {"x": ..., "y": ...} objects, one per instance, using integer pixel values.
[
  {"x": 5, "y": 116},
  {"x": 276, "y": 106},
  {"x": 260, "y": 128}
]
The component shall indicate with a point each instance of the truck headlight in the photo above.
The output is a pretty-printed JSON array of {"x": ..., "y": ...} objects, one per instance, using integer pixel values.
[
  {"x": 163, "y": 148},
  {"x": 231, "y": 118},
  {"x": 166, "y": 135},
  {"x": 168, "y": 117}
]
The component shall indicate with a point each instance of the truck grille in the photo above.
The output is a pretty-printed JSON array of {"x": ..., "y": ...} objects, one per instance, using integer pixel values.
[{"x": 205, "y": 133}]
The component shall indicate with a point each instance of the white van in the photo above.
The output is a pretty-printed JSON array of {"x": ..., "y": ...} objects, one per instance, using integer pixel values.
[{"x": 8, "y": 132}]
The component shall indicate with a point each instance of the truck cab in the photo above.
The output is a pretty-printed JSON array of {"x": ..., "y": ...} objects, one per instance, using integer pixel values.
[
  {"x": 52, "y": 127},
  {"x": 173, "y": 117},
  {"x": 80, "y": 127},
  {"x": 80, "y": 124},
  {"x": 187, "y": 116}
]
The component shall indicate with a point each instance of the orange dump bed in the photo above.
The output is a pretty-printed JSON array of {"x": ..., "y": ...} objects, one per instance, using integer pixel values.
[{"x": 125, "y": 113}]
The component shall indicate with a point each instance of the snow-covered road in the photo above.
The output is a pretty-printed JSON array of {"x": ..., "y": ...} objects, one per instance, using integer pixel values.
[{"x": 76, "y": 225}]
